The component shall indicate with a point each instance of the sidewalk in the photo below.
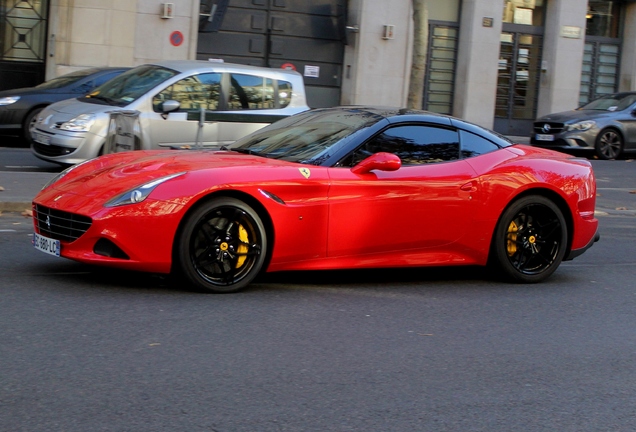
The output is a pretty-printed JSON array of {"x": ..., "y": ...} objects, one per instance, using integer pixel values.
[{"x": 20, "y": 188}]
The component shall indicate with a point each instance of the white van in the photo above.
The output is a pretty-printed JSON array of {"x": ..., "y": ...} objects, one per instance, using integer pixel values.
[{"x": 168, "y": 99}]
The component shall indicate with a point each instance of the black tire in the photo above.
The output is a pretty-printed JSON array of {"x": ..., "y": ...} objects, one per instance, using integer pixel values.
[
  {"x": 221, "y": 247},
  {"x": 609, "y": 144},
  {"x": 530, "y": 240},
  {"x": 29, "y": 121}
]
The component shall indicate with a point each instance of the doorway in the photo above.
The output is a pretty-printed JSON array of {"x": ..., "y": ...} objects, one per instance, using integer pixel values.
[
  {"x": 23, "y": 27},
  {"x": 518, "y": 82}
]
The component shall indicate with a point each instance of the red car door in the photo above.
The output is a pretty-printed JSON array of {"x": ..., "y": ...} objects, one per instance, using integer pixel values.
[{"x": 414, "y": 208}]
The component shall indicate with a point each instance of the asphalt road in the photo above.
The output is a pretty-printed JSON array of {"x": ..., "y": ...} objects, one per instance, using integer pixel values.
[{"x": 89, "y": 349}]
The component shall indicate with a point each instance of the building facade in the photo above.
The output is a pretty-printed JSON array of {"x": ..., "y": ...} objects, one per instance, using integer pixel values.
[{"x": 497, "y": 63}]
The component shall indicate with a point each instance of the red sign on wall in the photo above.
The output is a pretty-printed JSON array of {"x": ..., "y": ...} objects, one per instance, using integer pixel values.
[{"x": 176, "y": 38}]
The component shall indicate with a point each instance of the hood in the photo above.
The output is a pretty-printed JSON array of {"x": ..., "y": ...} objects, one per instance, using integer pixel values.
[
  {"x": 575, "y": 115},
  {"x": 26, "y": 91},
  {"x": 110, "y": 175},
  {"x": 74, "y": 107}
]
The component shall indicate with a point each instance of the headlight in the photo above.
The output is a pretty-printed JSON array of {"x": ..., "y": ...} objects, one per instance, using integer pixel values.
[
  {"x": 140, "y": 193},
  {"x": 9, "y": 100},
  {"x": 580, "y": 126},
  {"x": 81, "y": 123}
]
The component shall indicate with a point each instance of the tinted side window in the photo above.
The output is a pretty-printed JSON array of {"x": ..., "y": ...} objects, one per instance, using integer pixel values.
[
  {"x": 413, "y": 144},
  {"x": 474, "y": 145},
  {"x": 251, "y": 92},
  {"x": 193, "y": 93}
]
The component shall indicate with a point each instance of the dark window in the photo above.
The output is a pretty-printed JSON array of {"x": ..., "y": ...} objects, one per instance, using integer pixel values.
[
  {"x": 413, "y": 144},
  {"x": 474, "y": 145},
  {"x": 193, "y": 93},
  {"x": 251, "y": 92}
]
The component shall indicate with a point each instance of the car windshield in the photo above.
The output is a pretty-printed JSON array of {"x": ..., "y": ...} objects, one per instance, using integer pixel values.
[
  {"x": 614, "y": 102},
  {"x": 129, "y": 86},
  {"x": 307, "y": 137},
  {"x": 66, "y": 80}
]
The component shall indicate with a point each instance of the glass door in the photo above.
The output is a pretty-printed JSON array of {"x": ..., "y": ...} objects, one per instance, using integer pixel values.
[{"x": 517, "y": 82}]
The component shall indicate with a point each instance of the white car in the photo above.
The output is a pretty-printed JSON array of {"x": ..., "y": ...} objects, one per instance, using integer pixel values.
[{"x": 167, "y": 100}]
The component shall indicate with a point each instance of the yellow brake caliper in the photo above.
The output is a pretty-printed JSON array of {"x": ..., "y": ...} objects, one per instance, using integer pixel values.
[
  {"x": 242, "y": 249},
  {"x": 512, "y": 238}
]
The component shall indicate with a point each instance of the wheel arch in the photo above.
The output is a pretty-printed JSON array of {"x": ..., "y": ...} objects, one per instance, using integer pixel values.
[
  {"x": 39, "y": 106},
  {"x": 618, "y": 128},
  {"x": 242, "y": 196},
  {"x": 553, "y": 196}
]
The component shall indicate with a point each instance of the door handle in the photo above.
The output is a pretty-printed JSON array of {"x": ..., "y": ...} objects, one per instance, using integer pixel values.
[{"x": 469, "y": 187}]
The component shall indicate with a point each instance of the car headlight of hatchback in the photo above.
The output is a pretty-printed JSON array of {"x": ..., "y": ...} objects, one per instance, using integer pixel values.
[
  {"x": 81, "y": 123},
  {"x": 580, "y": 126},
  {"x": 139, "y": 193},
  {"x": 9, "y": 100}
]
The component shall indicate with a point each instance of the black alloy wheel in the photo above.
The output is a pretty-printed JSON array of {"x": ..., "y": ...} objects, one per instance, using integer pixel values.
[
  {"x": 530, "y": 240},
  {"x": 222, "y": 246},
  {"x": 609, "y": 144}
]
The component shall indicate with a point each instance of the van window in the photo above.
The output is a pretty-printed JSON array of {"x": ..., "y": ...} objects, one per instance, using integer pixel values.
[
  {"x": 193, "y": 93},
  {"x": 255, "y": 92},
  {"x": 251, "y": 92}
]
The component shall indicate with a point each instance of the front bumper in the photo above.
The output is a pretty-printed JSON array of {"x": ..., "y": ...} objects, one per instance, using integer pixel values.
[
  {"x": 66, "y": 148},
  {"x": 570, "y": 140}
]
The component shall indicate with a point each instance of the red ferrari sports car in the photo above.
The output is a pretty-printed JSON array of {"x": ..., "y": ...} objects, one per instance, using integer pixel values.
[{"x": 336, "y": 188}]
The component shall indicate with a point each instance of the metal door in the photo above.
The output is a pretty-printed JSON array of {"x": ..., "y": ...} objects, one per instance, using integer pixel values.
[
  {"x": 599, "y": 76},
  {"x": 517, "y": 82},
  {"x": 22, "y": 42},
  {"x": 296, "y": 34},
  {"x": 439, "y": 83}
]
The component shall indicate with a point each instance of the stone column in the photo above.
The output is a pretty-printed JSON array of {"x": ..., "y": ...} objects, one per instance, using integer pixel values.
[
  {"x": 562, "y": 60},
  {"x": 627, "y": 81},
  {"x": 477, "y": 60}
]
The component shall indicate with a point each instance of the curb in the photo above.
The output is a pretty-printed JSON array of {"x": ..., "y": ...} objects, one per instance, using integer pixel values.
[{"x": 18, "y": 207}]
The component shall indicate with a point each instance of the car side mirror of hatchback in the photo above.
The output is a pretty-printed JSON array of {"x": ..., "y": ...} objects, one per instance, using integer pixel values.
[
  {"x": 169, "y": 106},
  {"x": 379, "y": 161}
]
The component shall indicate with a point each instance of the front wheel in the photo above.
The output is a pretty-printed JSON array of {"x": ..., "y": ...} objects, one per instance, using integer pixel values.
[
  {"x": 530, "y": 240},
  {"x": 222, "y": 246},
  {"x": 609, "y": 144}
]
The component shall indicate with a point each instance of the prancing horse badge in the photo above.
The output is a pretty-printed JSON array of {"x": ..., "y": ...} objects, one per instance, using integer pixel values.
[{"x": 305, "y": 172}]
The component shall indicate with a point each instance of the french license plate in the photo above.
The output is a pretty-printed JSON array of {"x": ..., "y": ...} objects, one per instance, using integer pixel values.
[
  {"x": 544, "y": 137},
  {"x": 41, "y": 138},
  {"x": 46, "y": 245}
]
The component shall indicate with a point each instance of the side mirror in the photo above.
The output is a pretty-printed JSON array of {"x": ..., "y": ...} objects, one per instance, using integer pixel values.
[
  {"x": 169, "y": 106},
  {"x": 379, "y": 161}
]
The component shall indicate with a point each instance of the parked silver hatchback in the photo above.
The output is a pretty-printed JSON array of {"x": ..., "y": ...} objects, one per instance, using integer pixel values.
[{"x": 168, "y": 99}]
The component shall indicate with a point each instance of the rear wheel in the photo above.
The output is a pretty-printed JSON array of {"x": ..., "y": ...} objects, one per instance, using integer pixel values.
[
  {"x": 222, "y": 246},
  {"x": 530, "y": 240},
  {"x": 609, "y": 144}
]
